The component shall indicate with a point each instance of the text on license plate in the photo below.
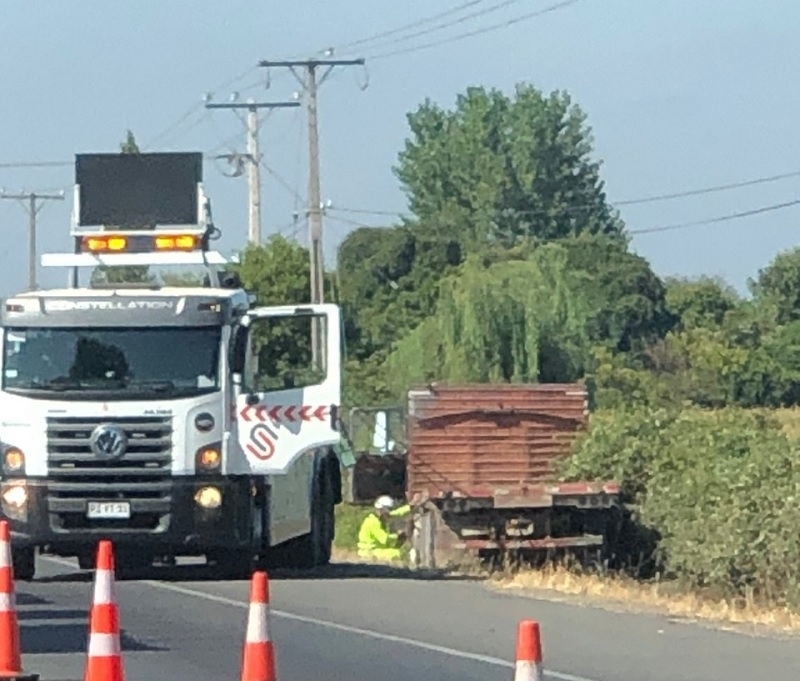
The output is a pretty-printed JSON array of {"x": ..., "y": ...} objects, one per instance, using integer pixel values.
[{"x": 108, "y": 509}]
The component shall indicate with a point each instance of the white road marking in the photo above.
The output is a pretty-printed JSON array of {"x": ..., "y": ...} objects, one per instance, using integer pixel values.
[{"x": 336, "y": 626}]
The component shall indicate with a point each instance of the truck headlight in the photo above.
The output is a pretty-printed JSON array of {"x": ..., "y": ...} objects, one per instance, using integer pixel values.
[
  {"x": 13, "y": 460},
  {"x": 15, "y": 495},
  {"x": 208, "y": 497}
]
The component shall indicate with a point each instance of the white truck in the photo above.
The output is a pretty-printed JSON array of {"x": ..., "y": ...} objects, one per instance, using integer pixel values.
[{"x": 173, "y": 420}]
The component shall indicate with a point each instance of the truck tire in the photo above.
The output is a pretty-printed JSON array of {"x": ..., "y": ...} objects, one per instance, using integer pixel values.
[
  {"x": 315, "y": 548},
  {"x": 326, "y": 524},
  {"x": 24, "y": 562},
  {"x": 323, "y": 523},
  {"x": 234, "y": 564},
  {"x": 130, "y": 563}
]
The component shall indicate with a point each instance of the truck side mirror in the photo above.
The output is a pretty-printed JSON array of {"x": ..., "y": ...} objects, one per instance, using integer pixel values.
[{"x": 238, "y": 350}]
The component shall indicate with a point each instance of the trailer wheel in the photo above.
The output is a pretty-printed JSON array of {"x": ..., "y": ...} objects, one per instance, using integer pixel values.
[{"x": 24, "y": 563}]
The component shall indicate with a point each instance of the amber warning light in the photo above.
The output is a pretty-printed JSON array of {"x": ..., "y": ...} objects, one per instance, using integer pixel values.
[
  {"x": 144, "y": 243},
  {"x": 106, "y": 244},
  {"x": 176, "y": 242}
]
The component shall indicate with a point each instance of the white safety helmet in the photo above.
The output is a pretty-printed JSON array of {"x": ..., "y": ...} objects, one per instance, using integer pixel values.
[{"x": 384, "y": 503}]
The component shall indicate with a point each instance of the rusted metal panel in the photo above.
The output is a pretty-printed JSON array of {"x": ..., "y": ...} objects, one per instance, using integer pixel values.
[
  {"x": 584, "y": 540},
  {"x": 496, "y": 441}
]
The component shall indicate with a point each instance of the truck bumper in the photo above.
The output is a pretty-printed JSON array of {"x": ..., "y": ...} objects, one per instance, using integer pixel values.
[{"x": 173, "y": 523}]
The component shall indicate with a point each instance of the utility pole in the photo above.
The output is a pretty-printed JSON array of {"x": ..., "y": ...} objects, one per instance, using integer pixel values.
[
  {"x": 31, "y": 201},
  {"x": 254, "y": 159},
  {"x": 311, "y": 85}
]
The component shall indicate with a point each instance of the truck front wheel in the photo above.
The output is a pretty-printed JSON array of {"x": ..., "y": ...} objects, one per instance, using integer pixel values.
[
  {"x": 232, "y": 564},
  {"x": 24, "y": 562},
  {"x": 314, "y": 549}
]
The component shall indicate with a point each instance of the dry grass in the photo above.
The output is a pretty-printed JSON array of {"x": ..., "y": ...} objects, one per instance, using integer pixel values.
[
  {"x": 624, "y": 594},
  {"x": 790, "y": 420},
  {"x": 659, "y": 597},
  {"x": 612, "y": 592}
]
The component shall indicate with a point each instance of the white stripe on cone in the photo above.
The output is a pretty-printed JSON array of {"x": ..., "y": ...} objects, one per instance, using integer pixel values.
[
  {"x": 104, "y": 645},
  {"x": 5, "y": 554},
  {"x": 257, "y": 624},
  {"x": 104, "y": 587},
  {"x": 7, "y": 602},
  {"x": 527, "y": 670}
]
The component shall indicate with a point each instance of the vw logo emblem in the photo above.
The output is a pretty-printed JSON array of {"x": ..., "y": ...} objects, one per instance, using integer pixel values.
[{"x": 108, "y": 442}]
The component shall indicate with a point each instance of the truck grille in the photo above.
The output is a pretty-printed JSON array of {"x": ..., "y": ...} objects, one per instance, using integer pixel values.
[{"x": 76, "y": 476}]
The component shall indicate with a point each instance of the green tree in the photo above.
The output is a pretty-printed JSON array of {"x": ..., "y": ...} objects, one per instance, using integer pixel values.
[
  {"x": 126, "y": 274},
  {"x": 778, "y": 284},
  {"x": 388, "y": 283},
  {"x": 627, "y": 299},
  {"x": 515, "y": 321},
  {"x": 278, "y": 274},
  {"x": 496, "y": 169},
  {"x": 182, "y": 279},
  {"x": 784, "y": 347},
  {"x": 701, "y": 302}
]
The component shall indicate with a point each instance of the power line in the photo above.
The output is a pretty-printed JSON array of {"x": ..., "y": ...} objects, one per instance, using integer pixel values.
[
  {"x": 33, "y": 202},
  {"x": 204, "y": 118},
  {"x": 226, "y": 143},
  {"x": 253, "y": 158},
  {"x": 478, "y": 31},
  {"x": 708, "y": 190},
  {"x": 720, "y": 218},
  {"x": 285, "y": 184},
  {"x": 626, "y": 202},
  {"x": 15, "y": 165},
  {"x": 198, "y": 106},
  {"x": 414, "y": 24},
  {"x": 35, "y": 164},
  {"x": 447, "y": 24},
  {"x": 646, "y": 230},
  {"x": 347, "y": 221},
  {"x": 311, "y": 81}
]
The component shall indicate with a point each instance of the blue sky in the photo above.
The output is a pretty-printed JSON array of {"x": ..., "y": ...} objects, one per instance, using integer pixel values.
[{"x": 681, "y": 94}]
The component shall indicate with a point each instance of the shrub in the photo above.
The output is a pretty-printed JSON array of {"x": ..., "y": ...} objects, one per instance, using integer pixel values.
[{"x": 720, "y": 488}]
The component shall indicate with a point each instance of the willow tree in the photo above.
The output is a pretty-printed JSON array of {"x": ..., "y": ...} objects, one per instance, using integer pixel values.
[{"x": 511, "y": 321}]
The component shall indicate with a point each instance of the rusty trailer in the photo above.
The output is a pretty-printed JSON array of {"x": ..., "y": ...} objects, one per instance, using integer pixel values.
[{"x": 486, "y": 457}]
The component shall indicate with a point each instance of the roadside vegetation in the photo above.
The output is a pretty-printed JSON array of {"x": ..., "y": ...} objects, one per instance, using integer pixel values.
[
  {"x": 712, "y": 495},
  {"x": 512, "y": 266},
  {"x": 348, "y": 521}
]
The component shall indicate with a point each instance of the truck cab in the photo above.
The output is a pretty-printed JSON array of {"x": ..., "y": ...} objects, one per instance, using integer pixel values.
[{"x": 177, "y": 421}]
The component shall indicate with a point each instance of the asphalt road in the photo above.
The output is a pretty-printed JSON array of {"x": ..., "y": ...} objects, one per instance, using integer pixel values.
[{"x": 365, "y": 624}]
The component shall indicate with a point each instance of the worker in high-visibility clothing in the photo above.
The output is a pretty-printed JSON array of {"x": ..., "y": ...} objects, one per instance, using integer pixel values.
[{"x": 375, "y": 538}]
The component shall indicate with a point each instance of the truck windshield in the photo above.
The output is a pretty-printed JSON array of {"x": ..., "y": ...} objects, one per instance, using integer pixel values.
[{"x": 115, "y": 363}]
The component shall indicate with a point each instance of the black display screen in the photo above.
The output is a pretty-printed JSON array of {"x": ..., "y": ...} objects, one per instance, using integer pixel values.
[{"x": 136, "y": 191}]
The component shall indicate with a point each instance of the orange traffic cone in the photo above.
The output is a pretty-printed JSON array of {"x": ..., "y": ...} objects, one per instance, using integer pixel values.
[
  {"x": 258, "y": 660},
  {"x": 528, "y": 665},
  {"x": 105, "y": 658},
  {"x": 10, "y": 656}
]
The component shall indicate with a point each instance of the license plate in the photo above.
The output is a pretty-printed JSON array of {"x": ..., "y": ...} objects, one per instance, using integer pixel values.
[{"x": 108, "y": 509}]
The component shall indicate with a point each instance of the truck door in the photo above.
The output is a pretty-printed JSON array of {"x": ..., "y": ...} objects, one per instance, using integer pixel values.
[{"x": 289, "y": 394}]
